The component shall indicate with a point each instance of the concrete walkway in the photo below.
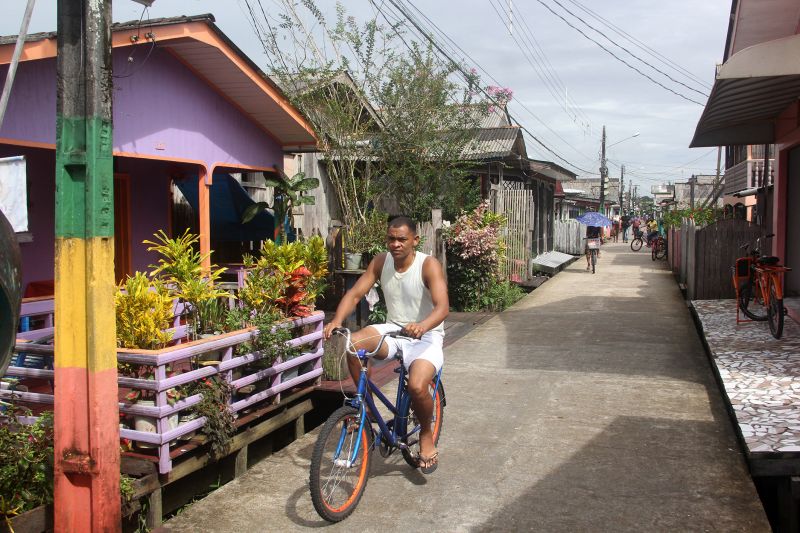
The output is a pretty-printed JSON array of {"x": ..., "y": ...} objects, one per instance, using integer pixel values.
[{"x": 588, "y": 406}]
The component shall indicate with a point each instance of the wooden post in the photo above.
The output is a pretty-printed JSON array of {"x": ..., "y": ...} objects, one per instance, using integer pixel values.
[
  {"x": 204, "y": 180},
  {"x": 86, "y": 473},
  {"x": 240, "y": 464},
  {"x": 155, "y": 509}
]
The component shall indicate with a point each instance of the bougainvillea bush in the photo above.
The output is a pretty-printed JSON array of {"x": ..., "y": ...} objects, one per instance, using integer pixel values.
[{"x": 475, "y": 249}]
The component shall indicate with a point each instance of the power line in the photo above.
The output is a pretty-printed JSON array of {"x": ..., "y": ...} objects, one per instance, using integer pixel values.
[
  {"x": 515, "y": 102},
  {"x": 532, "y": 38},
  {"x": 643, "y": 46},
  {"x": 629, "y": 52},
  {"x": 547, "y": 78},
  {"x": 615, "y": 56}
]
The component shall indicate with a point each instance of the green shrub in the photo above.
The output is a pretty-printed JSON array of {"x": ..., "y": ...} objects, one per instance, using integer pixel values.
[
  {"x": 501, "y": 295},
  {"x": 26, "y": 462}
]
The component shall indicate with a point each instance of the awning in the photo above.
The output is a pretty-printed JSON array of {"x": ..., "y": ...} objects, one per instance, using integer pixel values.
[
  {"x": 228, "y": 201},
  {"x": 752, "y": 88}
]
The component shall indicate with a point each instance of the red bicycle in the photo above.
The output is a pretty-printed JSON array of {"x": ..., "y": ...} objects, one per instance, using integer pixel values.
[{"x": 758, "y": 281}]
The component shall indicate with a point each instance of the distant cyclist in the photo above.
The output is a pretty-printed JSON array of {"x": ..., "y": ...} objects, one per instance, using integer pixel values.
[
  {"x": 652, "y": 230},
  {"x": 415, "y": 291},
  {"x": 592, "y": 232}
]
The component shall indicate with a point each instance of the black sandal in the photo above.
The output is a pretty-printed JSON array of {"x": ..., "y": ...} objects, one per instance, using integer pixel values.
[{"x": 428, "y": 465}]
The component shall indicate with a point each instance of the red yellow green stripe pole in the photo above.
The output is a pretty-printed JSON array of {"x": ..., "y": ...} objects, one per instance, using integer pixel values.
[{"x": 86, "y": 414}]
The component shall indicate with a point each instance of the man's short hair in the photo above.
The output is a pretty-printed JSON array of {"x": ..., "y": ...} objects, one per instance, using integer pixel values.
[{"x": 398, "y": 221}]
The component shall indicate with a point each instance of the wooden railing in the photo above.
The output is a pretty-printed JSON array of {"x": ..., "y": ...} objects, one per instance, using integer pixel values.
[{"x": 280, "y": 376}]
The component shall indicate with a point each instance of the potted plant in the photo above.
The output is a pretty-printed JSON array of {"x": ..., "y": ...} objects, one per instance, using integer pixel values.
[
  {"x": 365, "y": 236},
  {"x": 143, "y": 310},
  {"x": 180, "y": 266}
]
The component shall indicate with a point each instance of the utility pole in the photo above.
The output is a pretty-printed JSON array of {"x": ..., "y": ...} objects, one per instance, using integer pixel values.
[
  {"x": 86, "y": 469},
  {"x": 621, "y": 186},
  {"x": 603, "y": 173}
]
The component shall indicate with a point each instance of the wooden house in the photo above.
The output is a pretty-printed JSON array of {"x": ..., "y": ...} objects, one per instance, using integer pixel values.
[{"x": 189, "y": 107}]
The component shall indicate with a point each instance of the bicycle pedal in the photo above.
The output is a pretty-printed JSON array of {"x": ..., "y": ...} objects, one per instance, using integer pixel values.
[{"x": 397, "y": 370}]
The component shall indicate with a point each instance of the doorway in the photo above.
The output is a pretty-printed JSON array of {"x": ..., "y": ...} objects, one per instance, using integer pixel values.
[{"x": 122, "y": 227}]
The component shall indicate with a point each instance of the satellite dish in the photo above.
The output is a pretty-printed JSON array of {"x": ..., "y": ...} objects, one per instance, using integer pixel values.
[{"x": 10, "y": 291}]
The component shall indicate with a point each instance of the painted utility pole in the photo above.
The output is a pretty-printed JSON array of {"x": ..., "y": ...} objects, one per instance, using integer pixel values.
[
  {"x": 603, "y": 173},
  {"x": 86, "y": 404},
  {"x": 621, "y": 187}
]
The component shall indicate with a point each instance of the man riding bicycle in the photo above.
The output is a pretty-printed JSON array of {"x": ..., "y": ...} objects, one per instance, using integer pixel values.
[{"x": 415, "y": 291}]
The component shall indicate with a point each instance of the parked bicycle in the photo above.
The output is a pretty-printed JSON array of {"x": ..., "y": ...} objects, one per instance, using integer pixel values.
[
  {"x": 758, "y": 281},
  {"x": 658, "y": 248},
  {"x": 343, "y": 452}
]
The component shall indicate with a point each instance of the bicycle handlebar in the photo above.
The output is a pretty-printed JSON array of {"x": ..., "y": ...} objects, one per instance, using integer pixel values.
[{"x": 345, "y": 332}]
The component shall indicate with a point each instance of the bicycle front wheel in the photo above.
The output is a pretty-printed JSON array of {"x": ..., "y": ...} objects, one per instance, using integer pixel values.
[
  {"x": 636, "y": 244},
  {"x": 337, "y": 481},
  {"x": 775, "y": 310},
  {"x": 411, "y": 453},
  {"x": 749, "y": 304}
]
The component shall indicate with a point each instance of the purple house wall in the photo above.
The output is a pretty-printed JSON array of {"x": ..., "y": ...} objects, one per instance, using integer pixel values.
[{"x": 164, "y": 117}]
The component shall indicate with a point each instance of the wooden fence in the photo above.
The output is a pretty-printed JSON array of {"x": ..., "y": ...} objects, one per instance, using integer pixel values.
[
  {"x": 701, "y": 258},
  {"x": 568, "y": 237},
  {"x": 518, "y": 207}
]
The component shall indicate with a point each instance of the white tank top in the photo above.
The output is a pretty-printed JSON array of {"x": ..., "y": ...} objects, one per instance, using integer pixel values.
[{"x": 407, "y": 298}]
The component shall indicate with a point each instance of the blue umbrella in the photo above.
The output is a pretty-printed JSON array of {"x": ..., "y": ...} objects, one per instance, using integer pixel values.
[{"x": 593, "y": 218}]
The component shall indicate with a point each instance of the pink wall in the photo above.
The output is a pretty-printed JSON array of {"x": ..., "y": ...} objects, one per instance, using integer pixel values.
[
  {"x": 160, "y": 108},
  {"x": 788, "y": 136}
]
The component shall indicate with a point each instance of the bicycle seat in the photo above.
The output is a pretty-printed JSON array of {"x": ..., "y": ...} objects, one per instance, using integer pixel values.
[{"x": 768, "y": 260}]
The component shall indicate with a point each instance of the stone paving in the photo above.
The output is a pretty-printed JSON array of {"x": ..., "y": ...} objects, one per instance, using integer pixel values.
[{"x": 760, "y": 375}]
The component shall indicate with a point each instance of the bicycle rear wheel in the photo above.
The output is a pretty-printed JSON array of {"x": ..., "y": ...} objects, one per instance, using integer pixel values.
[
  {"x": 411, "y": 453},
  {"x": 775, "y": 310},
  {"x": 594, "y": 259},
  {"x": 636, "y": 244},
  {"x": 748, "y": 302},
  {"x": 336, "y": 483}
]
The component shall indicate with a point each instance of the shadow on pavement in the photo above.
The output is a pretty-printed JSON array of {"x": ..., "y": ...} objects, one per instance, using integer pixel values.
[{"x": 590, "y": 489}]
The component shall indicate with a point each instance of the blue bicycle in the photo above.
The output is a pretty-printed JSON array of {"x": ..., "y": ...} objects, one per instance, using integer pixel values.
[{"x": 343, "y": 452}]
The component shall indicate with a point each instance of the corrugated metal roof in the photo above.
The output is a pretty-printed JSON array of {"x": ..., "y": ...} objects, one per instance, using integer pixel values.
[
  {"x": 493, "y": 143},
  {"x": 752, "y": 88}
]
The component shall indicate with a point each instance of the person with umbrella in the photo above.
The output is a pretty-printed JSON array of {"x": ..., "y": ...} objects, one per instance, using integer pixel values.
[
  {"x": 592, "y": 232},
  {"x": 594, "y": 221}
]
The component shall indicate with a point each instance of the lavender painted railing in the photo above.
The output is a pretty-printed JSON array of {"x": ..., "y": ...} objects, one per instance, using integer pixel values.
[{"x": 277, "y": 378}]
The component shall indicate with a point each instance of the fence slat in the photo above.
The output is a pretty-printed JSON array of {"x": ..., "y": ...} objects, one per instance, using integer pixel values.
[
  {"x": 709, "y": 254},
  {"x": 568, "y": 237}
]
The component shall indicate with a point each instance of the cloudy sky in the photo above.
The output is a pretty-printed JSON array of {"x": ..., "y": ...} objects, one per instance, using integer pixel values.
[{"x": 565, "y": 86}]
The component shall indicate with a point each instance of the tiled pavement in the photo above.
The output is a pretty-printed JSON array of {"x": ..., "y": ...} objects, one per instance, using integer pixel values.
[{"x": 760, "y": 376}]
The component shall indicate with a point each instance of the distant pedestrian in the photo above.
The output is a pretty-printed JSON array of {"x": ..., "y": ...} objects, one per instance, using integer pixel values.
[{"x": 626, "y": 222}]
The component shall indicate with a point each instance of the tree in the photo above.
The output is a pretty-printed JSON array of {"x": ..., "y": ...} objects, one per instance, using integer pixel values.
[
  {"x": 389, "y": 121},
  {"x": 429, "y": 122}
]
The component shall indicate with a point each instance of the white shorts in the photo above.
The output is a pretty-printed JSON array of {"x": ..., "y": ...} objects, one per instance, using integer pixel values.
[{"x": 428, "y": 348}]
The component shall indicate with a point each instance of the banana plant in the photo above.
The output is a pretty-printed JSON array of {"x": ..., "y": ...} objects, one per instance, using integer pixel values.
[{"x": 289, "y": 193}]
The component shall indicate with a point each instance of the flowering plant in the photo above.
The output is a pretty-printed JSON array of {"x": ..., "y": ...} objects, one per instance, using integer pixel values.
[{"x": 475, "y": 249}]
